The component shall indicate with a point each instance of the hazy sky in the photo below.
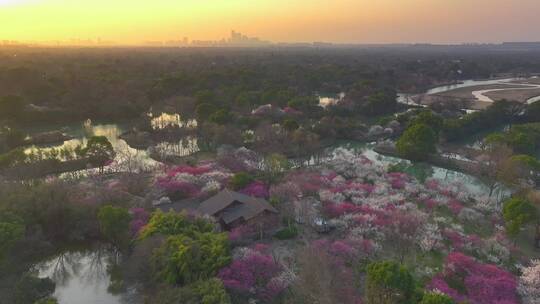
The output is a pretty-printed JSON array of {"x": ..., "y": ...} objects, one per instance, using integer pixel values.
[{"x": 359, "y": 21}]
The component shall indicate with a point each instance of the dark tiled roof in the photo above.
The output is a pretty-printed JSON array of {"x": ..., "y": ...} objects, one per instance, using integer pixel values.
[{"x": 247, "y": 208}]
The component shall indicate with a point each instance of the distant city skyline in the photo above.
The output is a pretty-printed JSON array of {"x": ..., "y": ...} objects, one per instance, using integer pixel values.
[{"x": 137, "y": 22}]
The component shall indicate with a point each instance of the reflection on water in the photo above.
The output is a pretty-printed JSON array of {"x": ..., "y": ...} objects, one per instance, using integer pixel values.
[
  {"x": 171, "y": 120},
  {"x": 127, "y": 158},
  {"x": 186, "y": 146},
  {"x": 81, "y": 277},
  {"x": 471, "y": 183},
  {"x": 326, "y": 100}
]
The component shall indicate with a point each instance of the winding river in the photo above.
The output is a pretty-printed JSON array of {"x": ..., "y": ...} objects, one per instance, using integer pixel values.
[{"x": 477, "y": 94}]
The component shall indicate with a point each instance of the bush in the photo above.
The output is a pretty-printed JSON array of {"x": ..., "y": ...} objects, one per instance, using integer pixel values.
[
  {"x": 221, "y": 117},
  {"x": 172, "y": 223},
  {"x": 517, "y": 213},
  {"x": 240, "y": 180},
  {"x": 388, "y": 282},
  {"x": 12, "y": 158},
  {"x": 11, "y": 230},
  {"x": 290, "y": 124},
  {"x": 417, "y": 142},
  {"x": 30, "y": 289},
  {"x": 201, "y": 292},
  {"x": 184, "y": 260},
  {"x": 287, "y": 233},
  {"x": 436, "y": 298},
  {"x": 114, "y": 224}
]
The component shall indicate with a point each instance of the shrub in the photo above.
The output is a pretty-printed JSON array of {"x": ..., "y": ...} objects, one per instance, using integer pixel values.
[
  {"x": 172, "y": 223},
  {"x": 388, "y": 282},
  {"x": 201, "y": 292},
  {"x": 114, "y": 224},
  {"x": 518, "y": 212},
  {"x": 256, "y": 189},
  {"x": 417, "y": 142},
  {"x": 12, "y": 158},
  {"x": 11, "y": 230},
  {"x": 30, "y": 289},
  {"x": 436, "y": 298},
  {"x": 287, "y": 233},
  {"x": 256, "y": 274},
  {"x": 184, "y": 260},
  {"x": 240, "y": 180},
  {"x": 466, "y": 280}
]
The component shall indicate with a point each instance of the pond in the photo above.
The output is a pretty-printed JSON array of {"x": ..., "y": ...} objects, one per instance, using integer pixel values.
[
  {"x": 82, "y": 277},
  {"x": 471, "y": 183},
  {"x": 127, "y": 158}
]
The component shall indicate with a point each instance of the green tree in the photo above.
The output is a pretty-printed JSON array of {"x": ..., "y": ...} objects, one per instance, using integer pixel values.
[
  {"x": 274, "y": 166},
  {"x": 209, "y": 291},
  {"x": 430, "y": 119},
  {"x": 517, "y": 213},
  {"x": 205, "y": 97},
  {"x": 303, "y": 102},
  {"x": 99, "y": 150},
  {"x": 30, "y": 289},
  {"x": 417, "y": 142},
  {"x": 183, "y": 259},
  {"x": 11, "y": 230},
  {"x": 13, "y": 157},
  {"x": 173, "y": 223},
  {"x": 436, "y": 298},
  {"x": 10, "y": 139},
  {"x": 204, "y": 110},
  {"x": 114, "y": 224},
  {"x": 240, "y": 180},
  {"x": 388, "y": 282},
  {"x": 290, "y": 124},
  {"x": 11, "y": 107},
  {"x": 381, "y": 102},
  {"x": 221, "y": 117},
  {"x": 47, "y": 301}
]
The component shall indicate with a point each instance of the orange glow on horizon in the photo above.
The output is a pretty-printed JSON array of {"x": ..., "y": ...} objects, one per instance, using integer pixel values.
[{"x": 357, "y": 21}]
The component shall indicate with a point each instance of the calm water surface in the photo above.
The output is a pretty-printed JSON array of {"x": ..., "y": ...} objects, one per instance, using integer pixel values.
[{"x": 82, "y": 277}]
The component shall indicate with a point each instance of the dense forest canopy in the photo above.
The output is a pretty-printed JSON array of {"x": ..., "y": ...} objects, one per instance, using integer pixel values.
[{"x": 123, "y": 83}]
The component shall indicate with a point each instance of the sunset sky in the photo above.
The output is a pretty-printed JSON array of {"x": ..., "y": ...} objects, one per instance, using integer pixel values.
[{"x": 357, "y": 21}]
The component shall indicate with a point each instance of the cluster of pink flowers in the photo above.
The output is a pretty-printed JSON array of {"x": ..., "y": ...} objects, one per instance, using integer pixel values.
[
  {"x": 460, "y": 241},
  {"x": 187, "y": 181},
  {"x": 255, "y": 273},
  {"x": 139, "y": 219},
  {"x": 431, "y": 204},
  {"x": 467, "y": 280},
  {"x": 342, "y": 254},
  {"x": 345, "y": 251},
  {"x": 257, "y": 189},
  {"x": 285, "y": 192},
  {"x": 239, "y": 160},
  {"x": 333, "y": 210},
  {"x": 455, "y": 206},
  {"x": 242, "y": 233},
  {"x": 309, "y": 182},
  {"x": 398, "y": 180}
]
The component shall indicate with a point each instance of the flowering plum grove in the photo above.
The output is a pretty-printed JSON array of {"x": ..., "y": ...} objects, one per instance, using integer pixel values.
[
  {"x": 453, "y": 241},
  {"x": 393, "y": 214}
]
